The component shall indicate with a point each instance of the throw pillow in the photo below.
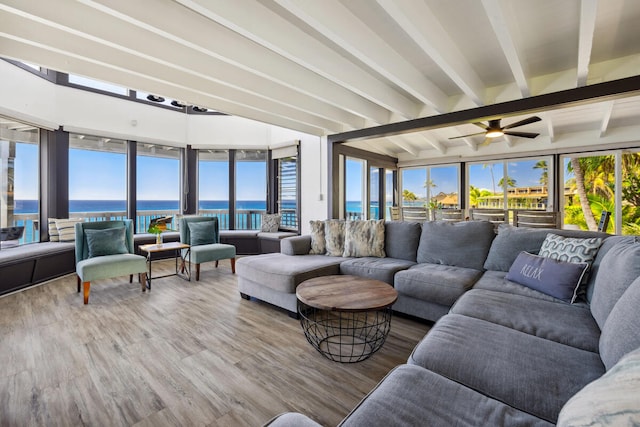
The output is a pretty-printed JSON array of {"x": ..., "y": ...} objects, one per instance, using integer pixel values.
[
  {"x": 334, "y": 236},
  {"x": 556, "y": 278},
  {"x": 611, "y": 400},
  {"x": 54, "y": 236},
  {"x": 364, "y": 238},
  {"x": 108, "y": 241},
  {"x": 202, "y": 233},
  {"x": 66, "y": 229},
  {"x": 270, "y": 223},
  {"x": 318, "y": 244},
  {"x": 570, "y": 249}
]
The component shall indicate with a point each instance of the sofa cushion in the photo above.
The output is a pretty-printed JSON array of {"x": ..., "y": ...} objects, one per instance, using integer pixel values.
[
  {"x": 375, "y": 268},
  {"x": 506, "y": 364},
  {"x": 570, "y": 249},
  {"x": 461, "y": 244},
  {"x": 202, "y": 233},
  {"x": 441, "y": 284},
  {"x": 318, "y": 244},
  {"x": 511, "y": 240},
  {"x": 283, "y": 272},
  {"x": 401, "y": 240},
  {"x": 364, "y": 238},
  {"x": 334, "y": 236},
  {"x": 563, "y": 323},
  {"x": 612, "y": 400},
  {"x": 607, "y": 244},
  {"x": 618, "y": 269},
  {"x": 110, "y": 241},
  {"x": 413, "y": 396},
  {"x": 550, "y": 276},
  {"x": 496, "y": 281},
  {"x": 621, "y": 332}
]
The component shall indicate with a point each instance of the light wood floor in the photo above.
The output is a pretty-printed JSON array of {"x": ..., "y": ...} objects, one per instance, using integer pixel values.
[{"x": 184, "y": 354}]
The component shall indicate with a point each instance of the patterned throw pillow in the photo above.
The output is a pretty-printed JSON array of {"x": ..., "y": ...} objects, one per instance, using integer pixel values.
[
  {"x": 611, "y": 400},
  {"x": 570, "y": 249},
  {"x": 66, "y": 229},
  {"x": 364, "y": 238},
  {"x": 556, "y": 278},
  {"x": 318, "y": 243},
  {"x": 334, "y": 236},
  {"x": 53, "y": 230},
  {"x": 270, "y": 223}
]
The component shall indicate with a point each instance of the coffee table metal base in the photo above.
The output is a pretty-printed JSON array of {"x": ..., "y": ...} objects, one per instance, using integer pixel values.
[{"x": 345, "y": 336}]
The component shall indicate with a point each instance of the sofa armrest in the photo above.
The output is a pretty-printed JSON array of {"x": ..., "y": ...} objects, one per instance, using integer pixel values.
[{"x": 297, "y": 245}]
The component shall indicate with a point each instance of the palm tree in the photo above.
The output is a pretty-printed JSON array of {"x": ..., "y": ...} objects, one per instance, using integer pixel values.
[
  {"x": 510, "y": 182},
  {"x": 544, "y": 176},
  {"x": 409, "y": 196},
  {"x": 493, "y": 180},
  {"x": 578, "y": 173}
]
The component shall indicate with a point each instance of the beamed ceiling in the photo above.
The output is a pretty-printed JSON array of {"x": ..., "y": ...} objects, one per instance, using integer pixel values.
[{"x": 328, "y": 67}]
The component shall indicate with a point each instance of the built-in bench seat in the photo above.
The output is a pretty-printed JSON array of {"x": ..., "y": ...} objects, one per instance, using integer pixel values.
[{"x": 27, "y": 265}]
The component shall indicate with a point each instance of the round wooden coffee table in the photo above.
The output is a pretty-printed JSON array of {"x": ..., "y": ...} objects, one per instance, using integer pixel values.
[{"x": 345, "y": 318}]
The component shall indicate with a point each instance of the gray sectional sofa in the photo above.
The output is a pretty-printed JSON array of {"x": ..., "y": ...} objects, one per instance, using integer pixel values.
[{"x": 500, "y": 352}]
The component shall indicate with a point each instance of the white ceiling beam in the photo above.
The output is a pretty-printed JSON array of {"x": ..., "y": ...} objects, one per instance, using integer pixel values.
[
  {"x": 550, "y": 127},
  {"x": 471, "y": 144},
  {"x": 588, "y": 12},
  {"x": 421, "y": 24},
  {"x": 107, "y": 57},
  {"x": 255, "y": 22},
  {"x": 606, "y": 117},
  {"x": 402, "y": 142},
  {"x": 56, "y": 60},
  {"x": 432, "y": 142},
  {"x": 336, "y": 22},
  {"x": 508, "y": 140},
  {"x": 501, "y": 29}
]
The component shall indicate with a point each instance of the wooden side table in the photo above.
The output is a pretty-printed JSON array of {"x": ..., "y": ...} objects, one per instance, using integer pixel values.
[
  {"x": 171, "y": 246},
  {"x": 346, "y": 318}
]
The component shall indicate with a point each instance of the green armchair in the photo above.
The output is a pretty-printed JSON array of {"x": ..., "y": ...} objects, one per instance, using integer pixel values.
[
  {"x": 104, "y": 249},
  {"x": 202, "y": 233}
]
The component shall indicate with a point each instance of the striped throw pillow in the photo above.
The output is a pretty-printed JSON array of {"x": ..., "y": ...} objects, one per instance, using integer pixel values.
[
  {"x": 66, "y": 229},
  {"x": 53, "y": 230}
]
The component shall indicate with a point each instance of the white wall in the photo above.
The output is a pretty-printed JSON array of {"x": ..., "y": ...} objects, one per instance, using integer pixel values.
[{"x": 30, "y": 98}]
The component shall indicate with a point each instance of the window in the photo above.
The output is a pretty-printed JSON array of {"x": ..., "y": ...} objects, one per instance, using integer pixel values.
[
  {"x": 288, "y": 191},
  {"x": 251, "y": 188},
  {"x": 97, "y": 177},
  {"x": 527, "y": 184},
  {"x": 374, "y": 193},
  {"x": 388, "y": 192},
  {"x": 213, "y": 185},
  {"x": 19, "y": 201},
  {"x": 485, "y": 185},
  {"x": 158, "y": 184},
  {"x": 435, "y": 187},
  {"x": 355, "y": 188},
  {"x": 97, "y": 84},
  {"x": 604, "y": 182}
]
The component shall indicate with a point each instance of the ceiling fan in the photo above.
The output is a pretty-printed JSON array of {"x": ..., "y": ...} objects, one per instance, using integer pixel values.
[{"x": 494, "y": 130}]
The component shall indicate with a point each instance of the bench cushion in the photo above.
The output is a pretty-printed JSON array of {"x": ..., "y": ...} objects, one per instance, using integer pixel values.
[{"x": 212, "y": 252}]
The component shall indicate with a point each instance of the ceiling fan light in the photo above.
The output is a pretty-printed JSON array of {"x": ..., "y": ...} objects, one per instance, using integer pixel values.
[{"x": 494, "y": 133}]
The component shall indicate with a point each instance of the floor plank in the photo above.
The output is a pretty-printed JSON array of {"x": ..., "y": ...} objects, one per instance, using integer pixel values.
[{"x": 186, "y": 353}]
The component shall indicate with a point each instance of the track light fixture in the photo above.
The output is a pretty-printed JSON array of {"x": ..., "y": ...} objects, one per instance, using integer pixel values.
[
  {"x": 155, "y": 98},
  {"x": 177, "y": 103},
  {"x": 199, "y": 109}
]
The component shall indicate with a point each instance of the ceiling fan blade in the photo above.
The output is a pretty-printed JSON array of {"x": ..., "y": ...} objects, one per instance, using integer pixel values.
[
  {"x": 482, "y": 125},
  {"x": 532, "y": 119},
  {"x": 522, "y": 134},
  {"x": 464, "y": 136}
]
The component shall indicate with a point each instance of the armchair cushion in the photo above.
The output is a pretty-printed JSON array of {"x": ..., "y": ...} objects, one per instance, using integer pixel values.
[
  {"x": 202, "y": 233},
  {"x": 110, "y": 241}
]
